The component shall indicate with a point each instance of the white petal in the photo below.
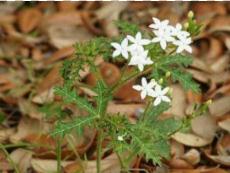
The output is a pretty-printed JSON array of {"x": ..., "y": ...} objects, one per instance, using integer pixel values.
[
  {"x": 157, "y": 101},
  {"x": 156, "y": 39},
  {"x": 116, "y": 53},
  {"x": 152, "y": 83},
  {"x": 152, "y": 26},
  {"x": 143, "y": 81},
  {"x": 124, "y": 43},
  {"x": 138, "y": 36},
  {"x": 145, "y": 42},
  {"x": 151, "y": 93},
  {"x": 125, "y": 54},
  {"x": 137, "y": 87},
  {"x": 157, "y": 88},
  {"x": 156, "y": 20},
  {"x": 179, "y": 49},
  {"x": 165, "y": 98},
  {"x": 188, "y": 48},
  {"x": 116, "y": 45},
  {"x": 131, "y": 38},
  {"x": 163, "y": 44},
  {"x": 143, "y": 94},
  {"x": 165, "y": 90},
  {"x": 141, "y": 67}
]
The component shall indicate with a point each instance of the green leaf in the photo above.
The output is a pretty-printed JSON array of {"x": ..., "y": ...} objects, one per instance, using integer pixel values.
[
  {"x": 2, "y": 117},
  {"x": 185, "y": 80},
  {"x": 102, "y": 97},
  {"x": 70, "y": 96},
  {"x": 78, "y": 123},
  {"x": 155, "y": 111},
  {"x": 126, "y": 27},
  {"x": 175, "y": 60}
]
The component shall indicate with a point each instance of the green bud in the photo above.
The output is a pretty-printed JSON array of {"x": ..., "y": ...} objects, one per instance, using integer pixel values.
[
  {"x": 168, "y": 74},
  {"x": 186, "y": 25},
  {"x": 190, "y": 14},
  {"x": 161, "y": 80}
]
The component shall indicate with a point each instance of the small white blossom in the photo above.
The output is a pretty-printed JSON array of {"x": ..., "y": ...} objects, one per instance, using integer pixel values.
[
  {"x": 145, "y": 87},
  {"x": 120, "y": 138},
  {"x": 178, "y": 32},
  {"x": 160, "y": 95},
  {"x": 183, "y": 44},
  {"x": 139, "y": 57},
  {"x": 159, "y": 25},
  {"x": 163, "y": 36},
  {"x": 121, "y": 49},
  {"x": 137, "y": 41}
]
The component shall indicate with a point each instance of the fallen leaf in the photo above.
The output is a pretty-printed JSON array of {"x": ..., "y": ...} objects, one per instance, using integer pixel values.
[{"x": 190, "y": 139}]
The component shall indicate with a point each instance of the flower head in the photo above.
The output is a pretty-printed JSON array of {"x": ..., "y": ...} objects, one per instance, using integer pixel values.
[
  {"x": 160, "y": 95},
  {"x": 159, "y": 24},
  {"x": 163, "y": 36},
  {"x": 121, "y": 49},
  {"x": 139, "y": 57},
  {"x": 145, "y": 87},
  {"x": 137, "y": 41},
  {"x": 183, "y": 44}
]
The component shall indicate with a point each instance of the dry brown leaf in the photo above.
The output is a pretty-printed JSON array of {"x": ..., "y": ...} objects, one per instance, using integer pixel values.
[
  {"x": 192, "y": 156},
  {"x": 190, "y": 139},
  {"x": 128, "y": 109},
  {"x": 22, "y": 159},
  {"x": 59, "y": 55},
  {"x": 178, "y": 103},
  {"x": 223, "y": 160},
  {"x": 108, "y": 164},
  {"x": 225, "y": 124},
  {"x": 44, "y": 165},
  {"x": 6, "y": 133},
  {"x": 28, "y": 126},
  {"x": 210, "y": 126},
  {"x": 29, "y": 19},
  {"x": 220, "y": 106},
  {"x": 66, "y": 6}
]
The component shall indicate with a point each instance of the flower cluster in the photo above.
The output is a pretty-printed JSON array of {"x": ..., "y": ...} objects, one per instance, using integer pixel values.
[
  {"x": 132, "y": 49},
  {"x": 166, "y": 33},
  {"x": 139, "y": 56},
  {"x": 152, "y": 89}
]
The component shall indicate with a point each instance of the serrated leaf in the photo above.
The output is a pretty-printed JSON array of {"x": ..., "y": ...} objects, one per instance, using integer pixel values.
[
  {"x": 155, "y": 111},
  {"x": 102, "y": 97},
  {"x": 175, "y": 60},
  {"x": 78, "y": 123},
  {"x": 185, "y": 79},
  {"x": 70, "y": 96},
  {"x": 126, "y": 27}
]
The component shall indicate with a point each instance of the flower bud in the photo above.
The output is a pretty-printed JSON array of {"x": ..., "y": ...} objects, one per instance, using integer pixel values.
[
  {"x": 186, "y": 25},
  {"x": 190, "y": 14},
  {"x": 161, "y": 80},
  {"x": 209, "y": 102},
  {"x": 168, "y": 74}
]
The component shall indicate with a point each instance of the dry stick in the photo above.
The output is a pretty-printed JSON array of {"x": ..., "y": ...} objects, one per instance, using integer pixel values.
[
  {"x": 99, "y": 145},
  {"x": 59, "y": 140}
]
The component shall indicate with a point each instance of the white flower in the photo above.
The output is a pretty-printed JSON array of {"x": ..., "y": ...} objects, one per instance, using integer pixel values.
[
  {"x": 120, "y": 138},
  {"x": 121, "y": 49},
  {"x": 178, "y": 32},
  {"x": 160, "y": 95},
  {"x": 139, "y": 57},
  {"x": 159, "y": 25},
  {"x": 183, "y": 44},
  {"x": 145, "y": 87},
  {"x": 163, "y": 36},
  {"x": 137, "y": 41}
]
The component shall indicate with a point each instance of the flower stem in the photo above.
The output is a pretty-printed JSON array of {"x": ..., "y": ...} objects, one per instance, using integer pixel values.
[
  {"x": 99, "y": 148},
  {"x": 58, "y": 151}
]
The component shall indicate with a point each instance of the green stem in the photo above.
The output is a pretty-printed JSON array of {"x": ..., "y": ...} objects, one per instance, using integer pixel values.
[
  {"x": 9, "y": 158},
  {"x": 99, "y": 148},
  {"x": 58, "y": 151}
]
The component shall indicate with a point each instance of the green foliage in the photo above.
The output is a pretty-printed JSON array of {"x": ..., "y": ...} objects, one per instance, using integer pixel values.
[
  {"x": 70, "y": 96},
  {"x": 185, "y": 80},
  {"x": 77, "y": 124},
  {"x": 91, "y": 49},
  {"x": 177, "y": 59},
  {"x": 126, "y": 27},
  {"x": 2, "y": 117},
  {"x": 71, "y": 69}
]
